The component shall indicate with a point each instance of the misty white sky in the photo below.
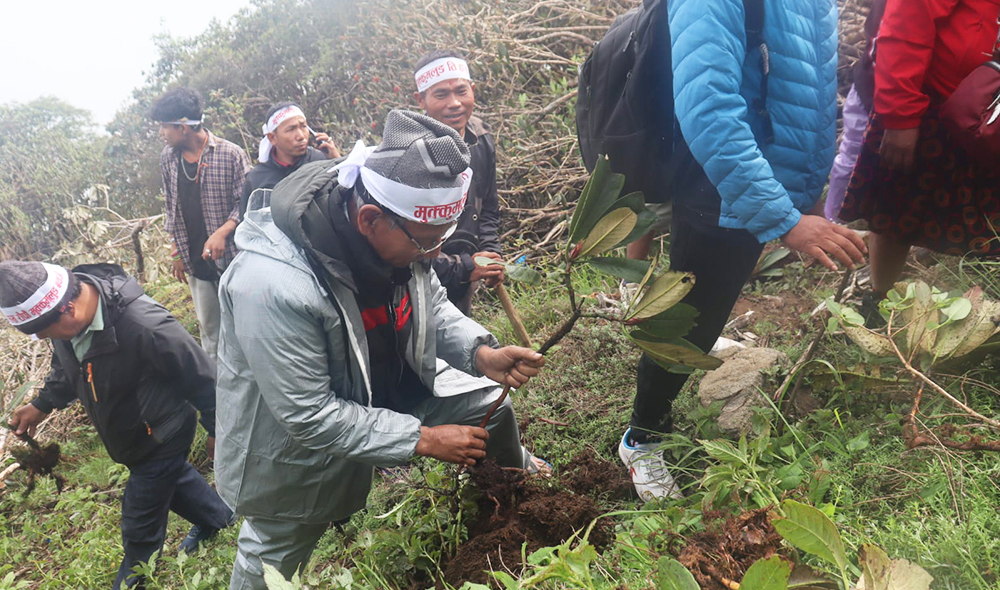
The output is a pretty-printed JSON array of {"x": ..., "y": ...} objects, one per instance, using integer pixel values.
[{"x": 92, "y": 54}]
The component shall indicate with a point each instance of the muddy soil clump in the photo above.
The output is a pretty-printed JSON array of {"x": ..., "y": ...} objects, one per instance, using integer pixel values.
[
  {"x": 591, "y": 475},
  {"x": 39, "y": 461},
  {"x": 727, "y": 550},
  {"x": 515, "y": 509}
]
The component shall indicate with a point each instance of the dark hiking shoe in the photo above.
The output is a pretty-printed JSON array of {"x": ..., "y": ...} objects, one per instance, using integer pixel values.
[
  {"x": 196, "y": 536},
  {"x": 199, "y": 534}
]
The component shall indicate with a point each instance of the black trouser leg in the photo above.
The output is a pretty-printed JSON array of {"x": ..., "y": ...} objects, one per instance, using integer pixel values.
[
  {"x": 196, "y": 502},
  {"x": 722, "y": 261},
  {"x": 155, "y": 487},
  {"x": 145, "y": 508}
]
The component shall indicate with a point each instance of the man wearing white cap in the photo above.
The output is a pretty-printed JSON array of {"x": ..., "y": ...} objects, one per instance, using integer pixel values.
[
  {"x": 284, "y": 148},
  {"x": 203, "y": 179},
  {"x": 446, "y": 92},
  {"x": 339, "y": 349},
  {"x": 139, "y": 375}
]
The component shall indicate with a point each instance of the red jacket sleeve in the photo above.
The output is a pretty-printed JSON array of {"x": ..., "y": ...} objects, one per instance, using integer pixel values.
[{"x": 904, "y": 50}]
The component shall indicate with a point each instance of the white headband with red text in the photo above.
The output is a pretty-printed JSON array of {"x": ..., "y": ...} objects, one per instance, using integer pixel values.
[
  {"x": 279, "y": 117},
  {"x": 446, "y": 68},
  {"x": 43, "y": 300},
  {"x": 435, "y": 206}
]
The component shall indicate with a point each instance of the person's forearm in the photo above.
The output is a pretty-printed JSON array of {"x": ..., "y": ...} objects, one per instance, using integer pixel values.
[{"x": 227, "y": 228}]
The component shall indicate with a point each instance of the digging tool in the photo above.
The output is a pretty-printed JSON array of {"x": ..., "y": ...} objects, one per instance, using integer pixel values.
[
  {"x": 515, "y": 320},
  {"x": 522, "y": 335}
]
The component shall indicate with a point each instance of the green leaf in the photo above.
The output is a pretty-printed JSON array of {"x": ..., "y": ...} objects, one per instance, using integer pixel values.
[
  {"x": 486, "y": 261},
  {"x": 633, "y": 201},
  {"x": 767, "y": 574},
  {"x": 598, "y": 194},
  {"x": 724, "y": 451},
  {"x": 646, "y": 218},
  {"x": 610, "y": 230},
  {"x": 516, "y": 272},
  {"x": 844, "y": 313},
  {"x": 523, "y": 274},
  {"x": 766, "y": 261},
  {"x": 811, "y": 531},
  {"x": 644, "y": 221},
  {"x": 958, "y": 309},
  {"x": 15, "y": 402},
  {"x": 678, "y": 352},
  {"x": 804, "y": 578},
  {"x": 917, "y": 316},
  {"x": 274, "y": 580},
  {"x": 623, "y": 268},
  {"x": 671, "y": 575},
  {"x": 858, "y": 443},
  {"x": 675, "y": 322},
  {"x": 664, "y": 293}
]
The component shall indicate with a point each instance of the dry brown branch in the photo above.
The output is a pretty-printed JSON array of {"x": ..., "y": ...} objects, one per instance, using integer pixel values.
[
  {"x": 796, "y": 373},
  {"x": 927, "y": 380}
]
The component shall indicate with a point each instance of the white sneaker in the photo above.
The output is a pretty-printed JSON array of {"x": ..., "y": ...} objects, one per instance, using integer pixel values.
[{"x": 649, "y": 472}]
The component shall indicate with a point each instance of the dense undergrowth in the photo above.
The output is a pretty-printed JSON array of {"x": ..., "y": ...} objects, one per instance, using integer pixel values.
[{"x": 935, "y": 507}]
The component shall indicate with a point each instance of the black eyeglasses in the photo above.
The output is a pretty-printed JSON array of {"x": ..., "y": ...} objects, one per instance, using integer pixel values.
[{"x": 398, "y": 222}]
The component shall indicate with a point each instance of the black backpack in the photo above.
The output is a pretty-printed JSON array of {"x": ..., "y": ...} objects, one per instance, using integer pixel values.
[{"x": 625, "y": 100}]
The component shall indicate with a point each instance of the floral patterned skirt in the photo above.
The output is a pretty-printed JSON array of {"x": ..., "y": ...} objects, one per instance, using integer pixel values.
[{"x": 949, "y": 203}]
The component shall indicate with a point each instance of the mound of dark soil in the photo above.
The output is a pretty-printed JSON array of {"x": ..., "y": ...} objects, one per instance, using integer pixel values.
[
  {"x": 588, "y": 474},
  {"x": 515, "y": 509},
  {"x": 728, "y": 549}
]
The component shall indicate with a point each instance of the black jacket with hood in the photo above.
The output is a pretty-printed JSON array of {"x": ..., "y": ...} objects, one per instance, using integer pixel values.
[
  {"x": 480, "y": 222},
  {"x": 270, "y": 173},
  {"x": 142, "y": 378}
]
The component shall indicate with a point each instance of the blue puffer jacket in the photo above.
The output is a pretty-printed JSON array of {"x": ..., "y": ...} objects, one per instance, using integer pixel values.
[{"x": 764, "y": 187}]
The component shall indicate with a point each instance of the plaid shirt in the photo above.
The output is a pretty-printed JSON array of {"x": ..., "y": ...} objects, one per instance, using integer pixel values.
[{"x": 223, "y": 174}]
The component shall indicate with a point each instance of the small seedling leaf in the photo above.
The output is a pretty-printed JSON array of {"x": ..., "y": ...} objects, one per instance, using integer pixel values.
[
  {"x": 663, "y": 294},
  {"x": 623, "y": 268},
  {"x": 610, "y": 230},
  {"x": 808, "y": 529},
  {"x": 671, "y": 575},
  {"x": 858, "y": 443},
  {"x": 767, "y": 574}
]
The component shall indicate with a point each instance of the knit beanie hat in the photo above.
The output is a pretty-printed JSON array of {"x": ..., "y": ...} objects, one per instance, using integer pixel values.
[
  {"x": 420, "y": 171},
  {"x": 34, "y": 294}
]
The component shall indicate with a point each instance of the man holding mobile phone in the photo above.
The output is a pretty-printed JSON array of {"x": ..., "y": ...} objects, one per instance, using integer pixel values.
[{"x": 284, "y": 148}]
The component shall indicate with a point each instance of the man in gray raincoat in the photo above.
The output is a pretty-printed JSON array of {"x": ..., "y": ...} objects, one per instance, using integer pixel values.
[{"x": 339, "y": 349}]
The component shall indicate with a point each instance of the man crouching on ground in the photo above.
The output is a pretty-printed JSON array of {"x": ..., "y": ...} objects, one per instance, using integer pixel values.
[
  {"x": 340, "y": 350},
  {"x": 140, "y": 376}
]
